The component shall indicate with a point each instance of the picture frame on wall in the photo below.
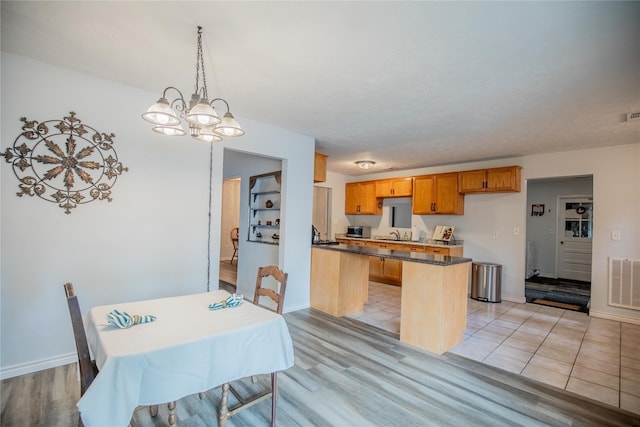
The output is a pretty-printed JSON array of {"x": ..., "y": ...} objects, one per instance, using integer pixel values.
[{"x": 537, "y": 209}]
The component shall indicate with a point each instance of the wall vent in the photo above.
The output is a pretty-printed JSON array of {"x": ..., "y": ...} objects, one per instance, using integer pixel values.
[
  {"x": 624, "y": 283},
  {"x": 633, "y": 116}
]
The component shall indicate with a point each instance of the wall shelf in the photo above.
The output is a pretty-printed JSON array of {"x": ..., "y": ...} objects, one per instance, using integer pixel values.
[{"x": 264, "y": 205}]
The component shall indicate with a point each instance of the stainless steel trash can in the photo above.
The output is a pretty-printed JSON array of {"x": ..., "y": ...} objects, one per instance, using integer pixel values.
[{"x": 486, "y": 281}]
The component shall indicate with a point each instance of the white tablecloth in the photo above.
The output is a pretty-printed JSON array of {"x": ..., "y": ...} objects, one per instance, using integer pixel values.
[{"x": 187, "y": 350}]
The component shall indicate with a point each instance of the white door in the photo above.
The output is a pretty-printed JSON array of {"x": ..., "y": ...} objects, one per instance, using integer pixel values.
[
  {"x": 575, "y": 231},
  {"x": 321, "y": 218}
]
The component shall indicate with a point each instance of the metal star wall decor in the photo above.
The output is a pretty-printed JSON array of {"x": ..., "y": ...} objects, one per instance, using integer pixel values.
[{"x": 71, "y": 166}]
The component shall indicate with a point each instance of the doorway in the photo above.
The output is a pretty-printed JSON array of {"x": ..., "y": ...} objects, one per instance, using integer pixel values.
[
  {"x": 559, "y": 229},
  {"x": 230, "y": 219}
]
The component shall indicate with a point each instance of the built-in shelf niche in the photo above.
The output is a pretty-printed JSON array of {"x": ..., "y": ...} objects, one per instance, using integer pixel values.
[{"x": 264, "y": 207}]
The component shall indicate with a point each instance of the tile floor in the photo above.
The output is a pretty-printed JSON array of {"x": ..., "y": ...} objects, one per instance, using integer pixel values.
[{"x": 592, "y": 357}]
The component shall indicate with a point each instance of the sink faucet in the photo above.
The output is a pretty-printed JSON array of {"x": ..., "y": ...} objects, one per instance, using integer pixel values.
[{"x": 396, "y": 233}]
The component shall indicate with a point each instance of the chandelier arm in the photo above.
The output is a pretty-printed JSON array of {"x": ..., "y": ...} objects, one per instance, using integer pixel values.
[
  {"x": 180, "y": 103},
  {"x": 220, "y": 99}
]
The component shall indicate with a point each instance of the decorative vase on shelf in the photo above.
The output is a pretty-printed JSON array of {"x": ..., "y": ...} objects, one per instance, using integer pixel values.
[{"x": 269, "y": 204}]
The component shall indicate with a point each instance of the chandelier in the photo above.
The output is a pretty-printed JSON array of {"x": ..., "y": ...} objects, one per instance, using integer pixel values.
[{"x": 202, "y": 119}]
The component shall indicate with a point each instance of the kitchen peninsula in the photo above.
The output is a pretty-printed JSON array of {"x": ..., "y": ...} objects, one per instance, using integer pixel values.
[{"x": 434, "y": 291}]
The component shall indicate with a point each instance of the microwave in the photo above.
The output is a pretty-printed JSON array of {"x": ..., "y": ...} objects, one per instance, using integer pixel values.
[{"x": 361, "y": 231}]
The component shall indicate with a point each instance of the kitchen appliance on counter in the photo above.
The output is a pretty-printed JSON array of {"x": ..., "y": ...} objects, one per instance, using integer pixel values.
[
  {"x": 315, "y": 238},
  {"x": 361, "y": 231}
]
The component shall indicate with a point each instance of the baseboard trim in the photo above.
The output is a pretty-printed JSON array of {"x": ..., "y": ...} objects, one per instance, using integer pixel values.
[
  {"x": 618, "y": 318},
  {"x": 37, "y": 365}
]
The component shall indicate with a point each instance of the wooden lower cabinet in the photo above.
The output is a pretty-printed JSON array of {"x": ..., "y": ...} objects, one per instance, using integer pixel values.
[
  {"x": 389, "y": 271},
  {"x": 385, "y": 270},
  {"x": 443, "y": 251}
]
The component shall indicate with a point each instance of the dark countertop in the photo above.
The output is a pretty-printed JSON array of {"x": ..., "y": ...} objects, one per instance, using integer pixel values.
[{"x": 443, "y": 260}]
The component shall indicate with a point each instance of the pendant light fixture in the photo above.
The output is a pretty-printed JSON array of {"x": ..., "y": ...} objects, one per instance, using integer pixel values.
[{"x": 199, "y": 113}]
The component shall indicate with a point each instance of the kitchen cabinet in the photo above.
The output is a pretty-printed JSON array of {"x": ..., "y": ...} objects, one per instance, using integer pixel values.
[
  {"x": 394, "y": 187},
  {"x": 389, "y": 271},
  {"x": 319, "y": 168},
  {"x": 360, "y": 199},
  {"x": 385, "y": 270},
  {"x": 264, "y": 208},
  {"x": 438, "y": 250},
  {"x": 437, "y": 194},
  {"x": 495, "y": 180}
]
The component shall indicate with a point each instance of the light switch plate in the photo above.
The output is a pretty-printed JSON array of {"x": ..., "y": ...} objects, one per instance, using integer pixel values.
[{"x": 615, "y": 235}]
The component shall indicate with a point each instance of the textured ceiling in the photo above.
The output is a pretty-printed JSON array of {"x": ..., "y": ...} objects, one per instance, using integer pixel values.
[{"x": 406, "y": 84}]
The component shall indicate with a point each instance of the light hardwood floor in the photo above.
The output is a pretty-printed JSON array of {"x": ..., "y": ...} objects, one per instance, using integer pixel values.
[{"x": 346, "y": 374}]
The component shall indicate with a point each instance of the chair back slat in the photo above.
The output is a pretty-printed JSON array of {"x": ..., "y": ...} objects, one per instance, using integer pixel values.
[
  {"x": 277, "y": 296},
  {"x": 88, "y": 369}
]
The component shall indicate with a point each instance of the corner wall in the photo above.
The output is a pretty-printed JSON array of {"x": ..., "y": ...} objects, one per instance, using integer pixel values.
[{"x": 151, "y": 241}]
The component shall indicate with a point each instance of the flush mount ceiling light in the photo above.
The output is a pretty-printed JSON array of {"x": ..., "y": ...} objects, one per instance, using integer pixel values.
[
  {"x": 202, "y": 119},
  {"x": 365, "y": 164}
]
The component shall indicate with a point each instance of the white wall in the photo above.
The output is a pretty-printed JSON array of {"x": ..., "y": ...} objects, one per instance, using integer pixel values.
[
  {"x": 150, "y": 241},
  {"x": 616, "y": 192}
]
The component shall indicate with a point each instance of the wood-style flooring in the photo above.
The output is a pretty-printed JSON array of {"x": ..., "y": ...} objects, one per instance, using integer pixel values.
[{"x": 346, "y": 374}]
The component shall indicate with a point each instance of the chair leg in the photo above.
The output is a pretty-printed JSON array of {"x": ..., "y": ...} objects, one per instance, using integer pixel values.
[
  {"x": 172, "y": 413},
  {"x": 224, "y": 409}
]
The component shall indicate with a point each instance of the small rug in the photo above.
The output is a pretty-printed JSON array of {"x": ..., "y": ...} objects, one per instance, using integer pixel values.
[
  {"x": 568, "y": 295},
  {"x": 558, "y": 304}
]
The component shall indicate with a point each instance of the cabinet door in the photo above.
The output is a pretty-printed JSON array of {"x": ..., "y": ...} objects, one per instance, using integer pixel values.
[
  {"x": 403, "y": 187},
  {"x": 392, "y": 269},
  {"x": 423, "y": 195},
  {"x": 375, "y": 267},
  {"x": 503, "y": 179},
  {"x": 319, "y": 168},
  {"x": 447, "y": 198},
  {"x": 351, "y": 199},
  {"x": 367, "y": 198},
  {"x": 384, "y": 188},
  {"x": 472, "y": 181}
]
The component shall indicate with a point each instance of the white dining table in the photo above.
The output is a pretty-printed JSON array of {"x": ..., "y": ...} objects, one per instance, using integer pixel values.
[{"x": 188, "y": 349}]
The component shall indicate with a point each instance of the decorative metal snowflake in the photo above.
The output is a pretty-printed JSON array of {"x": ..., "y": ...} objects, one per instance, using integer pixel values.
[{"x": 64, "y": 167}]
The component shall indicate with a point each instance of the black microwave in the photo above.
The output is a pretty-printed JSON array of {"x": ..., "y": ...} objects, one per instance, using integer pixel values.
[{"x": 361, "y": 231}]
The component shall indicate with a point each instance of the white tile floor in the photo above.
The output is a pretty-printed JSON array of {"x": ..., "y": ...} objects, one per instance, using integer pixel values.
[{"x": 593, "y": 357}]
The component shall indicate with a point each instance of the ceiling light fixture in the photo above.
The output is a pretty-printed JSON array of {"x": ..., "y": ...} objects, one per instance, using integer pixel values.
[
  {"x": 202, "y": 119},
  {"x": 365, "y": 164}
]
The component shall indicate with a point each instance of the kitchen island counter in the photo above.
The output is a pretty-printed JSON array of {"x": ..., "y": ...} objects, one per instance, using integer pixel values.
[
  {"x": 397, "y": 254},
  {"x": 434, "y": 291}
]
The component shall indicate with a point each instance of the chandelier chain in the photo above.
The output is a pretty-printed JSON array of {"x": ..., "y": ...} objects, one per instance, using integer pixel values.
[{"x": 200, "y": 67}]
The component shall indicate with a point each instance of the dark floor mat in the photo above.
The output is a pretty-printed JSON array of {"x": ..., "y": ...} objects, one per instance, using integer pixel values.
[{"x": 559, "y": 299}]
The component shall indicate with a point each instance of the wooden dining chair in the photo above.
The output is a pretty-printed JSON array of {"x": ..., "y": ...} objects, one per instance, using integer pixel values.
[
  {"x": 234, "y": 234},
  {"x": 277, "y": 303},
  {"x": 88, "y": 367}
]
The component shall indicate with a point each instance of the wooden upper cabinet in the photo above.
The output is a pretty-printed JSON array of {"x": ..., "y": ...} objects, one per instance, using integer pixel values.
[
  {"x": 394, "y": 187},
  {"x": 495, "y": 180},
  {"x": 360, "y": 199},
  {"x": 319, "y": 168},
  {"x": 437, "y": 194}
]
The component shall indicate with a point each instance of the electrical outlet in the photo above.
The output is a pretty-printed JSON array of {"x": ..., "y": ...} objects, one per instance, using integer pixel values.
[
  {"x": 516, "y": 231},
  {"x": 495, "y": 235},
  {"x": 615, "y": 235}
]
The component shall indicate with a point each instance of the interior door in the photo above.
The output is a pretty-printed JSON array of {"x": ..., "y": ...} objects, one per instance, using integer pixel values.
[
  {"x": 321, "y": 215},
  {"x": 575, "y": 232}
]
